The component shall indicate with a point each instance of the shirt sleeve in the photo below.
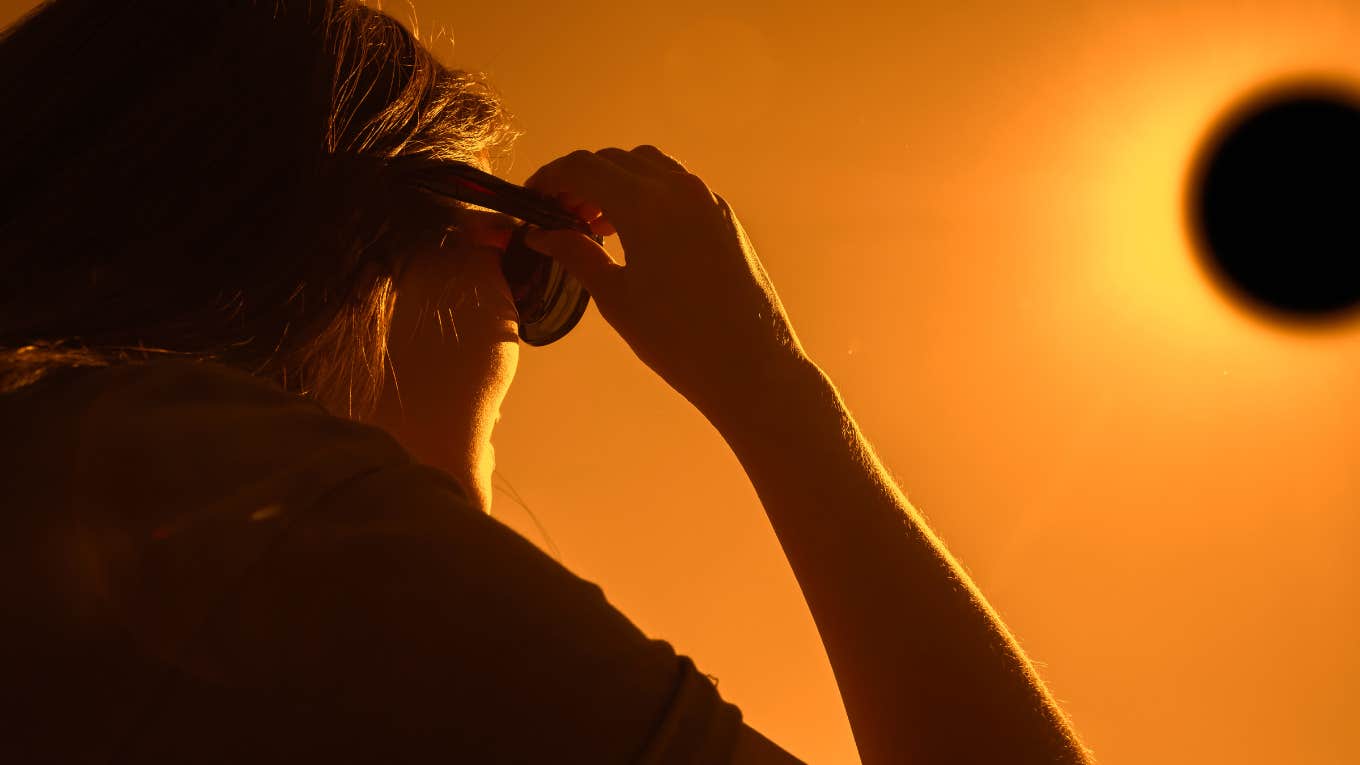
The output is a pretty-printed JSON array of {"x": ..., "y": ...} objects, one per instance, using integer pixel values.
[{"x": 389, "y": 621}]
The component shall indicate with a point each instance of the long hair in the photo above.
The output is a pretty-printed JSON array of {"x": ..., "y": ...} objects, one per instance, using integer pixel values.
[{"x": 204, "y": 178}]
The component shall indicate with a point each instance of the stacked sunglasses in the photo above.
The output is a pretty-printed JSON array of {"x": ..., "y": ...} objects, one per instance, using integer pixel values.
[{"x": 550, "y": 301}]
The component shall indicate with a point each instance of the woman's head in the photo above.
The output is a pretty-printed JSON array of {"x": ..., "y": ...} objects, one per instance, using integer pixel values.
[{"x": 204, "y": 178}]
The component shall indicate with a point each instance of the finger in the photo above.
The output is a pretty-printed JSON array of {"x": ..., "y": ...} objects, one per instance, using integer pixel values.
[
  {"x": 579, "y": 254},
  {"x": 626, "y": 159},
  {"x": 618, "y": 192},
  {"x": 586, "y": 211},
  {"x": 659, "y": 158}
]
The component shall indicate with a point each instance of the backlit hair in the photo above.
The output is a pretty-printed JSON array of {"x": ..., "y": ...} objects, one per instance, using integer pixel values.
[{"x": 201, "y": 178}]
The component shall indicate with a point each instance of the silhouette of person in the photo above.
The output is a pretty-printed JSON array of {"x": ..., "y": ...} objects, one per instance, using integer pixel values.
[{"x": 227, "y": 539}]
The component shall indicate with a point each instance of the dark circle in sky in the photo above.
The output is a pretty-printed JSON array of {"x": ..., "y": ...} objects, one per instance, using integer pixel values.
[{"x": 1276, "y": 202}]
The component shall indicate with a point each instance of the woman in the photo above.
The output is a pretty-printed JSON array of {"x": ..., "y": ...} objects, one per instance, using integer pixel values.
[{"x": 209, "y": 556}]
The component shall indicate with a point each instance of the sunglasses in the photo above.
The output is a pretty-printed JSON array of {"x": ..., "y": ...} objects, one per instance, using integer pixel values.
[{"x": 549, "y": 300}]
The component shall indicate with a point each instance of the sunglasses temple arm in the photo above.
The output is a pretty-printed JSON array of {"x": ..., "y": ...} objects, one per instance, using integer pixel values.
[{"x": 472, "y": 186}]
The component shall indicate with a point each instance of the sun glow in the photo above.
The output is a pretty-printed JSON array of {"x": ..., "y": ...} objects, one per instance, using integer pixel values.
[{"x": 1134, "y": 145}]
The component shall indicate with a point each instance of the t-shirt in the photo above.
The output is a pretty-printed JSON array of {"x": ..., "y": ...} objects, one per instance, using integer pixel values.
[{"x": 199, "y": 567}]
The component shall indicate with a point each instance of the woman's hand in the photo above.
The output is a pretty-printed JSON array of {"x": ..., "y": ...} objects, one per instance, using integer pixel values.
[{"x": 692, "y": 299}]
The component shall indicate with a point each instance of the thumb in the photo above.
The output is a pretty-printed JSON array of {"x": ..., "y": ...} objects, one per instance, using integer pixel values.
[{"x": 581, "y": 256}]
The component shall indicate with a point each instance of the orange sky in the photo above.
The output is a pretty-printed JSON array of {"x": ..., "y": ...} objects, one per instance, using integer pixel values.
[{"x": 972, "y": 212}]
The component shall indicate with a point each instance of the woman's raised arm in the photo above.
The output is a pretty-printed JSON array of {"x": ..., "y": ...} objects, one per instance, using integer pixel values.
[{"x": 927, "y": 671}]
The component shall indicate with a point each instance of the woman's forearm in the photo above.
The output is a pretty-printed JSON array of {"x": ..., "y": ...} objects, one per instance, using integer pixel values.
[{"x": 927, "y": 671}]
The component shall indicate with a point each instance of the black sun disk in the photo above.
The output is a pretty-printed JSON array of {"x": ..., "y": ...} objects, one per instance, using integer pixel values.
[{"x": 1275, "y": 203}]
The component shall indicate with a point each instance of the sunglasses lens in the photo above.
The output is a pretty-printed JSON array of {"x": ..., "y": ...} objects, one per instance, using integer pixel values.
[{"x": 550, "y": 301}]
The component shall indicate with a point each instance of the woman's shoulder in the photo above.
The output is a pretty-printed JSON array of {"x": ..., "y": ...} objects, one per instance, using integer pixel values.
[{"x": 153, "y": 487}]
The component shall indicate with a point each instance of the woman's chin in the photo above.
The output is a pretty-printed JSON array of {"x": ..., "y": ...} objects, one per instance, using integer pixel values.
[
  {"x": 478, "y": 482},
  {"x": 505, "y": 331}
]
